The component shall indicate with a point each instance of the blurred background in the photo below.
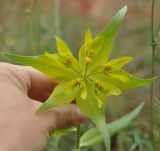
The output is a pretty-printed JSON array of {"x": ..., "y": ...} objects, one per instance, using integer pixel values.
[{"x": 27, "y": 27}]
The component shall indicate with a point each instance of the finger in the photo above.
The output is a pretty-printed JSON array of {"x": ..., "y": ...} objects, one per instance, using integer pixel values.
[
  {"x": 40, "y": 86},
  {"x": 61, "y": 117},
  {"x": 40, "y": 96},
  {"x": 67, "y": 116},
  {"x": 39, "y": 82}
]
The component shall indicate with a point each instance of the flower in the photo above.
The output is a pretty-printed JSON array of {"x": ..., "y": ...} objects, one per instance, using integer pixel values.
[{"x": 89, "y": 80}]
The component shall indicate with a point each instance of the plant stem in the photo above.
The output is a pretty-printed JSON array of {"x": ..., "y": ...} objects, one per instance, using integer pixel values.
[
  {"x": 152, "y": 73},
  {"x": 85, "y": 72},
  {"x": 34, "y": 20},
  {"x": 31, "y": 24},
  {"x": 78, "y": 137},
  {"x": 38, "y": 26},
  {"x": 57, "y": 17}
]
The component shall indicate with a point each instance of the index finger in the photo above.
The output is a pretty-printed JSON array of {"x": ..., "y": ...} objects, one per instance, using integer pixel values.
[{"x": 40, "y": 87}]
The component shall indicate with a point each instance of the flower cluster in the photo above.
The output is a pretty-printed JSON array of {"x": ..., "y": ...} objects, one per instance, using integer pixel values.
[{"x": 88, "y": 80}]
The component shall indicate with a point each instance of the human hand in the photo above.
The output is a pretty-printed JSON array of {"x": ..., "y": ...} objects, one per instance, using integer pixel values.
[{"x": 21, "y": 90}]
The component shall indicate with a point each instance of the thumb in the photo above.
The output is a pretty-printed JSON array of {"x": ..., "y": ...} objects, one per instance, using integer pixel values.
[
  {"x": 67, "y": 116},
  {"x": 62, "y": 117}
]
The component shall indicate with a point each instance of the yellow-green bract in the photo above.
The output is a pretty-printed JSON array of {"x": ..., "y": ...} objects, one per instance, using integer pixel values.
[{"x": 88, "y": 80}]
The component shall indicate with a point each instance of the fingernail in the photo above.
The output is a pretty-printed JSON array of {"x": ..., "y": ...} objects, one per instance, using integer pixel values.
[{"x": 81, "y": 116}]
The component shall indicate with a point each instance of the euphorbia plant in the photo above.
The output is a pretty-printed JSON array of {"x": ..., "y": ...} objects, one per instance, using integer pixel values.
[{"x": 89, "y": 80}]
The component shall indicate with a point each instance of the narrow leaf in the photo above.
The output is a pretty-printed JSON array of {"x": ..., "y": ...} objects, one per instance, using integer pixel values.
[
  {"x": 63, "y": 94},
  {"x": 66, "y": 54},
  {"x": 83, "y": 90},
  {"x": 122, "y": 78},
  {"x": 46, "y": 63},
  {"x": 59, "y": 133},
  {"x": 86, "y": 49},
  {"x": 102, "y": 43},
  {"x": 107, "y": 88},
  {"x": 129, "y": 81},
  {"x": 89, "y": 107},
  {"x": 119, "y": 63},
  {"x": 88, "y": 36},
  {"x": 63, "y": 48},
  {"x": 93, "y": 136},
  {"x": 133, "y": 82}
]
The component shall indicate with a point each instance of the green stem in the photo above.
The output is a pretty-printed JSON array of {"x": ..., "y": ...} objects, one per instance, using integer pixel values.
[
  {"x": 152, "y": 73},
  {"x": 35, "y": 25},
  {"x": 78, "y": 137},
  {"x": 31, "y": 24},
  {"x": 38, "y": 26},
  {"x": 85, "y": 72},
  {"x": 158, "y": 34},
  {"x": 57, "y": 17},
  {"x": 75, "y": 70}
]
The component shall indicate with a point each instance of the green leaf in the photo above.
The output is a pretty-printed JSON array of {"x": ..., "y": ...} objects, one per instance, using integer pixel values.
[
  {"x": 89, "y": 107},
  {"x": 83, "y": 90},
  {"x": 63, "y": 48},
  {"x": 88, "y": 37},
  {"x": 129, "y": 81},
  {"x": 63, "y": 94},
  {"x": 122, "y": 78},
  {"x": 102, "y": 90},
  {"x": 66, "y": 54},
  {"x": 59, "y": 133},
  {"x": 86, "y": 49},
  {"x": 47, "y": 63},
  {"x": 98, "y": 49},
  {"x": 93, "y": 136},
  {"x": 106, "y": 88},
  {"x": 133, "y": 82},
  {"x": 115, "y": 64},
  {"x": 102, "y": 43}
]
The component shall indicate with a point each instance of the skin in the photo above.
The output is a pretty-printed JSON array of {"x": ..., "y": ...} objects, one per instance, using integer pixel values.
[{"x": 22, "y": 91}]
